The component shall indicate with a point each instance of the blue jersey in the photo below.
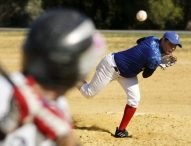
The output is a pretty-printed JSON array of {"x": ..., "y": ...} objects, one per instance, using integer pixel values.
[{"x": 146, "y": 54}]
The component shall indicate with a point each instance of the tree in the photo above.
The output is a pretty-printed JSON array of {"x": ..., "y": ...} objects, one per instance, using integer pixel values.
[
  {"x": 164, "y": 12},
  {"x": 106, "y": 14},
  {"x": 187, "y": 13},
  {"x": 18, "y": 13},
  {"x": 33, "y": 8}
]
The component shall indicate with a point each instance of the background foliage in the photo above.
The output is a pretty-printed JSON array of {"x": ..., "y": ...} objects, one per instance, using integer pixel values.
[{"x": 107, "y": 14}]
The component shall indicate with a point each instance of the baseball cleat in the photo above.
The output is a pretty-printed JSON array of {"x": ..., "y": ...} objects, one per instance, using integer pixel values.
[{"x": 121, "y": 133}]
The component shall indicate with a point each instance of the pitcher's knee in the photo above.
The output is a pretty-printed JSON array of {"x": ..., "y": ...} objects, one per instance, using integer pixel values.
[{"x": 133, "y": 102}]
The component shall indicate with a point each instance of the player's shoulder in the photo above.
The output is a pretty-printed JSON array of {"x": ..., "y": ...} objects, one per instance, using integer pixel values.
[
  {"x": 152, "y": 45},
  {"x": 13, "y": 76},
  {"x": 153, "y": 42},
  {"x": 17, "y": 77},
  {"x": 149, "y": 40},
  {"x": 6, "y": 87}
]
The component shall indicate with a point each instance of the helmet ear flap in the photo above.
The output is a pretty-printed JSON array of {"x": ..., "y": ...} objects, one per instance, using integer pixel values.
[{"x": 36, "y": 67}]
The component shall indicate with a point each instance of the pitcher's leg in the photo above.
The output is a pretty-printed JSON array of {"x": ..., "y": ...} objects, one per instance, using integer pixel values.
[
  {"x": 131, "y": 87},
  {"x": 104, "y": 74},
  {"x": 127, "y": 116}
]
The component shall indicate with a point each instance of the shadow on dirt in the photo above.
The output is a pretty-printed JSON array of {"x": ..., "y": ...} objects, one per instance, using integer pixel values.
[
  {"x": 92, "y": 128},
  {"x": 96, "y": 128}
]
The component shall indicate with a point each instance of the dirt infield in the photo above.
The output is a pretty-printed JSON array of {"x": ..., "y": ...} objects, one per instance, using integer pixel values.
[{"x": 162, "y": 119}]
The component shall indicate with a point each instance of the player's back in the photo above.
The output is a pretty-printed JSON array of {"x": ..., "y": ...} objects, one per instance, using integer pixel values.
[{"x": 130, "y": 62}]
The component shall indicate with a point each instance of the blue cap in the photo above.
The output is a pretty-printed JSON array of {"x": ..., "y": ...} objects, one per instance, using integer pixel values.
[{"x": 173, "y": 38}]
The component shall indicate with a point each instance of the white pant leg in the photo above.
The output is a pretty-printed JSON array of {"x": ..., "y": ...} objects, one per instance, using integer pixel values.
[
  {"x": 131, "y": 87},
  {"x": 104, "y": 74}
]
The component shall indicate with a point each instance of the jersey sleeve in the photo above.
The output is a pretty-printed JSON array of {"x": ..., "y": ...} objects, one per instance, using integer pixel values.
[
  {"x": 151, "y": 66},
  {"x": 153, "y": 63},
  {"x": 147, "y": 72},
  {"x": 154, "y": 54}
]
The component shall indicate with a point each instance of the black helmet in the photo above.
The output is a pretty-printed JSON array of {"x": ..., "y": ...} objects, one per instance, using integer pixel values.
[{"x": 60, "y": 48}]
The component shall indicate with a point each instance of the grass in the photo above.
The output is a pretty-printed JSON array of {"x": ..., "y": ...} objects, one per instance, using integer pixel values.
[
  {"x": 11, "y": 44},
  {"x": 12, "y": 33}
]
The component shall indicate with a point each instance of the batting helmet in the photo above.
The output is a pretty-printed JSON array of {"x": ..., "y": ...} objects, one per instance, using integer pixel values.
[{"x": 60, "y": 48}]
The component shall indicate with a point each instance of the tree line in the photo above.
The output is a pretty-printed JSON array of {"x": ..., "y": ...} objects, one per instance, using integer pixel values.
[{"x": 106, "y": 14}]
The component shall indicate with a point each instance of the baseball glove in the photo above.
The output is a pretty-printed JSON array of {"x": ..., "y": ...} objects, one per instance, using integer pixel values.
[{"x": 167, "y": 61}]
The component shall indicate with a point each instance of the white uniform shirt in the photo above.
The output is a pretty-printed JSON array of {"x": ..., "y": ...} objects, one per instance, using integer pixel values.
[{"x": 50, "y": 118}]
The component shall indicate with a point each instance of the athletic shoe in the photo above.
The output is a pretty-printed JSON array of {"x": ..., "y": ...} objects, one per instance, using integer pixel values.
[{"x": 121, "y": 133}]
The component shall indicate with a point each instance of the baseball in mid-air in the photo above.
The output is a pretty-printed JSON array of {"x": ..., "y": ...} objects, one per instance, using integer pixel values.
[{"x": 141, "y": 15}]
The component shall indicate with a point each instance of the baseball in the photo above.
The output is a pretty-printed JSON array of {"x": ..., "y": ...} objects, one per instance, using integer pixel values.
[{"x": 141, "y": 15}]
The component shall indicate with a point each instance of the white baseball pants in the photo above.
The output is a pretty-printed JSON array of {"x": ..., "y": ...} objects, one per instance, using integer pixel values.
[{"x": 105, "y": 73}]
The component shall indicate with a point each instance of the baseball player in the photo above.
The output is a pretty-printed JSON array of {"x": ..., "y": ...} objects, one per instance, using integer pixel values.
[
  {"x": 124, "y": 66},
  {"x": 56, "y": 52}
]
